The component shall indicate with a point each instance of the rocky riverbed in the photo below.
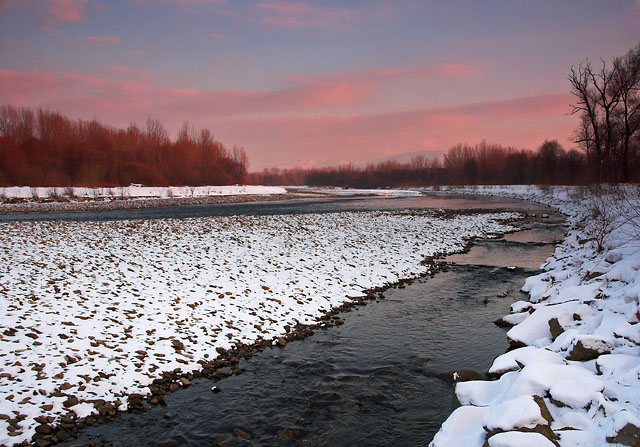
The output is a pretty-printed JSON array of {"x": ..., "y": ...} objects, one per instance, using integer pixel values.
[{"x": 102, "y": 315}]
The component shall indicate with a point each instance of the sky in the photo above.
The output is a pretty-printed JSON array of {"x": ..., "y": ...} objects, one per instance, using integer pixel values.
[{"x": 314, "y": 83}]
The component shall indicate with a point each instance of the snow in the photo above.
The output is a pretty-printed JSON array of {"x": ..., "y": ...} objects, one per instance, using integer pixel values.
[
  {"x": 135, "y": 191},
  {"x": 91, "y": 309},
  {"x": 587, "y": 375},
  {"x": 463, "y": 428},
  {"x": 357, "y": 192},
  {"x": 515, "y": 413},
  {"x": 519, "y": 439}
]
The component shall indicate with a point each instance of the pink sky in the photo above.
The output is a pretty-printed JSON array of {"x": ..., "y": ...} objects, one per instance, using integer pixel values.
[{"x": 313, "y": 83}]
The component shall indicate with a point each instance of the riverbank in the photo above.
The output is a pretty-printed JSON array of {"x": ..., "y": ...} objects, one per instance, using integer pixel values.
[
  {"x": 96, "y": 311},
  {"x": 572, "y": 379},
  {"x": 58, "y": 199}
]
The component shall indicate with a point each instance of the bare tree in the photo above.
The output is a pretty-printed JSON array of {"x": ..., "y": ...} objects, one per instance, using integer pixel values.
[{"x": 608, "y": 104}]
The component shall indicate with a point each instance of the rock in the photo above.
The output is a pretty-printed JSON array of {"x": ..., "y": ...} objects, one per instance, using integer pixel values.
[
  {"x": 555, "y": 328},
  {"x": 43, "y": 429},
  {"x": 168, "y": 443},
  {"x": 463, "y": 375},
  {"x": 224, "y": 439},
  {"x": 221, "y": 351},
  {"x": 544, "y": 411},
  {"x": 47, "y": 407},
  {"x": 582, "y": 353},
  {"x": 42, "y": 442},
  {"x": 289, "y": 433},
  {"x": 70, "y": 402},
  {"x": 174, "y": 387},
  {"x": 61, "y": 435},
  {"x": 216, "y": 389},
  {"x": 241, "y": 433},
  {"x": 628, "y": 435},
  {"x": 177, "y": 345},
  {"x": 500, "y": 322},
  {"x": 349, "y": 405},
  {"x": 184, "y": 381}
]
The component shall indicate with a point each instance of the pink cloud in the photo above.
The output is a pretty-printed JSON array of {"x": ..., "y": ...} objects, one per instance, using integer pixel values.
[
  {"x": 4, "y": 5},
  {"x": 290, "y": 15},
  {"x": 60, "y": 11},
  {"x": 377, "y": 75},
  {"x": 99, "y": 40}
]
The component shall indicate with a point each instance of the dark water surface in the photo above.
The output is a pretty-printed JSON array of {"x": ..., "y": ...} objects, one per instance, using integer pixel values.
[
  {"x": 369, "y": 382},
  {"x": 446, "y": 201}
]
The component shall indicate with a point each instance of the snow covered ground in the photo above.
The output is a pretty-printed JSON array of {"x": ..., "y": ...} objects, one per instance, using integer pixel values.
[
  {"x": 134, "y": 192},
  {"x": 97, "y": 310},
  {"x": 574, "y": 379},
  {"x": 350, "y": 192}
]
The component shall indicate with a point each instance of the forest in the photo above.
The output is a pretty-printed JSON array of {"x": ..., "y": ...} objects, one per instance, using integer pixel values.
[
  {"x": 462, "y": 164},
  {"x": 46, "y": 148}
]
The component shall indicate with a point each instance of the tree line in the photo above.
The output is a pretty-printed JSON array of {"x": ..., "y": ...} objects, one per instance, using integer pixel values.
[
  {"x": 46, "y": 148},
  {"x": 483, "y": 163}
]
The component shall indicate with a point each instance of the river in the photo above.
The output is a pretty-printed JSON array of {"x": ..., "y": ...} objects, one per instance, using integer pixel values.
[{"x": 374, "y": 379}]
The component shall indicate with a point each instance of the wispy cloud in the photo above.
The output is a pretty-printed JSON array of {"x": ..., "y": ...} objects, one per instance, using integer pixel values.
[
  {"x": 61, "y": 11},
  {"x": 291, "y": 15},
  {"x": 99, "y": 40},
  {"x": 132, "y": 86}
]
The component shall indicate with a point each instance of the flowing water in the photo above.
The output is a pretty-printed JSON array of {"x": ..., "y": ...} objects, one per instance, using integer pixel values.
[
  {"x": 312, "y": 205},
  {"x": 372, "y": 381}
]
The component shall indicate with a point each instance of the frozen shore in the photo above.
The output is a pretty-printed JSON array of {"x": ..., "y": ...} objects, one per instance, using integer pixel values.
[
  {"x": 573, "y": 379},
  {"x": 93, "y": 312}
]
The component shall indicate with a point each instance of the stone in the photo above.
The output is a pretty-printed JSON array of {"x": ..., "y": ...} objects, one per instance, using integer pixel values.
[
  {"x": 628, "y": 435},
  {"x": 61, "y": 435},
  {"x": 500, "y": 322},
  {"x": 70, "y": 402},
  {"x": 241, "y": 433},
  {"x": 289, "y": 433},
  {"x": 223, "y": 440},
  {"x": 581, "y": 353},
  {"x": 463, "y": 375},
  {"x": 555, "y": 328},
  {"x": 43, "y": 429}
]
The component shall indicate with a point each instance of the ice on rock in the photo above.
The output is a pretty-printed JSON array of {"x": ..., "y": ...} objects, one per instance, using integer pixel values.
[
  {"x": 514, "y": 319},
  {"x": 513, "y": 360},
  {"x": 463, "y": 428},
  {"x": 512, "y": 414},
  {"x": 534, "y": 330},
  {"x": 576, "y": 394},
  {"x": 519, "y": 439},
  {"x": 483, "y": 393}
]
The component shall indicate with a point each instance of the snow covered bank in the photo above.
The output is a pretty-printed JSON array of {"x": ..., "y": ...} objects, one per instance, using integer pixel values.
[
  {"x": 350, "y": 192},
  {"x": 97, "y": 310},
  {"x": 574, "y": 379},
  {"x": 134, "y": 192}
]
